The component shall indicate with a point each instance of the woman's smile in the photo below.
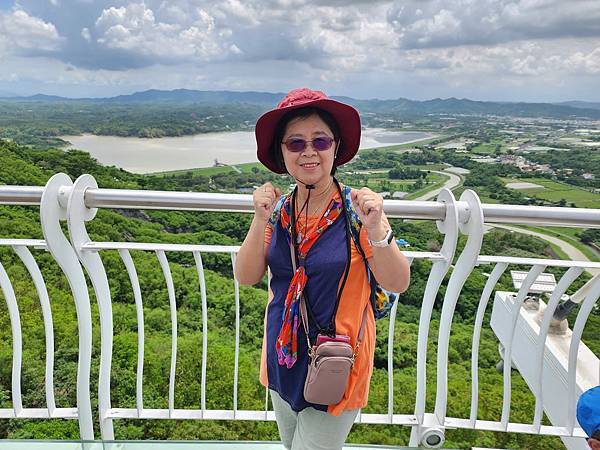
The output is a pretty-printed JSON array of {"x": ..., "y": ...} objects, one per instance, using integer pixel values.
[{"x": 310, "y": 166}]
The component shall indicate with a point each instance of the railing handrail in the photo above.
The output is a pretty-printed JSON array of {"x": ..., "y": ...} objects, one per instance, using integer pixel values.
[{"x": 203, "y": 201}]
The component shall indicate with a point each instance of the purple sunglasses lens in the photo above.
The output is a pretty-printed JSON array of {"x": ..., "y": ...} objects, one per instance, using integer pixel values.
[
  {"x": 296, "y": 145},
  {"x": 319, "y": 144},
  {"x": 322, "y": 143}
]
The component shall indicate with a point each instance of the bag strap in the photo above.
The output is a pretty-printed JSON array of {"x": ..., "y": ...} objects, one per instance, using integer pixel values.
[
  {"x": 353, "y": 220},
  {"x": 304, "y": 313},
  {"x": 355, "y": 226},
  {"x": 277, "y": 211}
]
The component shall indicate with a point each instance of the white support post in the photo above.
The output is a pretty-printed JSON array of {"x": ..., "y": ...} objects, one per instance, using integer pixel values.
[
  {"x": 483, "y": 302},
  {"x": 17, "y": 340},
  {"x": 139, "y": 308},
  {"x": 532, "y": 275},
  {"x": 390, "y": 355},
  {"x": 164, "y": 264},
  {"x": 40, "y": 286},
  {"x": 202, "y": 280},
  {"x": 51, "y": 213},
  {"x": 474, "y": 229},
  {"x": 564, "y": 283},
  {"x": 77, "y": 215},
  {"x": 236, "y": 292},
  {"x": 448, "y": 227}
]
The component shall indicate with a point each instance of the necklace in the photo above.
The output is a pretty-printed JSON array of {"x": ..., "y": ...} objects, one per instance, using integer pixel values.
[
  {"x": 302, "y": 225},
  {"x": 317, "y": 202},
  {"x": 316, "y": 196}
]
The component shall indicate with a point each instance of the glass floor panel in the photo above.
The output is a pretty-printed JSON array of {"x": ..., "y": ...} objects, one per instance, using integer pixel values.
[{"x": 162, "y": 445}]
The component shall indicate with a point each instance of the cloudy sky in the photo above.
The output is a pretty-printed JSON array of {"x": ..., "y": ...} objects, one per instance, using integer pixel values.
[{"x": 515, "y": 50}]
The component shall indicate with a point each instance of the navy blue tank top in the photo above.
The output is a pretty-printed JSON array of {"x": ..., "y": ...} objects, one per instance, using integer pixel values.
[{"x": 324, "y": 265}]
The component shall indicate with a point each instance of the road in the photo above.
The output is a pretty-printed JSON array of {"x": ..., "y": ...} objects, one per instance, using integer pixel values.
[
  {"x": 451, "y": 183},
  {"x": 572, "y": 252}
]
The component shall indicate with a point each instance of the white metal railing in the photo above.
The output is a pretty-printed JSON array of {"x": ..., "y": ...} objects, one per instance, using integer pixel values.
[{"x": 77, "y": 203}]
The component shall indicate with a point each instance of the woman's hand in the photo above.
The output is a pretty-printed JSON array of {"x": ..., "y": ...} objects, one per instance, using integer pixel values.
[
  {"x": 369, "y": 207},
  {"x": 264, "y": 199}
]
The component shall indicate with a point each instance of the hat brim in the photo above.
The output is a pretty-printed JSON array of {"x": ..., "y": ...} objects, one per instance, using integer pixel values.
[{"x": 346, "y": 117}]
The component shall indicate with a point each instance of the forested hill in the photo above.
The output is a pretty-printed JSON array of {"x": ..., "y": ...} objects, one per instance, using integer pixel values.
[
  {"x": 29, "y": 166},
  {"x": 399, "y": 105}
]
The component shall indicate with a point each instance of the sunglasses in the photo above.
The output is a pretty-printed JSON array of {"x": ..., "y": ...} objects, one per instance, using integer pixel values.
[{"x": 320, "y": 144}]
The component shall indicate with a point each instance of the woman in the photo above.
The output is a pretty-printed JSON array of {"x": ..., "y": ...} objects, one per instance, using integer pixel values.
[{"x": 308, "y": 135}]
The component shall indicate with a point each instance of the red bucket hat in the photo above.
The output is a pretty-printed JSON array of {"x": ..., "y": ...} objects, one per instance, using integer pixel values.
[{"x": 346, "y": 117}]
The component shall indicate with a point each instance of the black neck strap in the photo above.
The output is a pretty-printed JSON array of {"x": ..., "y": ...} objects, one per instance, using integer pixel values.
[{"x": 330, "y": 330}]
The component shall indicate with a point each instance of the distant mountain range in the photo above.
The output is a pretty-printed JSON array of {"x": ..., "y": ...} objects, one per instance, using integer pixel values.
[
  {"x": 174, "y": 96},
  {"x": 400, "y": 106},
  {"x": 578, "y": 104}
]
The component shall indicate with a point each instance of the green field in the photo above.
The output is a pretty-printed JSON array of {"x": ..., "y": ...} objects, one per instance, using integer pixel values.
[
  {"x": 488, "y": 149},
  {"x": 207, "y": 171},
  {"x": 555, "y": 191}
]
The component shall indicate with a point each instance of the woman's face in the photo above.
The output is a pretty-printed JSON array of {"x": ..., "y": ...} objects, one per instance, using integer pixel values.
[{"x": 309, "y": 165}]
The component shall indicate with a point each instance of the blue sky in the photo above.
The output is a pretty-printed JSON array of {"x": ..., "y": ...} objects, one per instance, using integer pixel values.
[{"x": 511, "y": 50}]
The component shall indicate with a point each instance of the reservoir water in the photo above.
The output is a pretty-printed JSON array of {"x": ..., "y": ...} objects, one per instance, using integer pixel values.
[{"x": 139, "y": 155}]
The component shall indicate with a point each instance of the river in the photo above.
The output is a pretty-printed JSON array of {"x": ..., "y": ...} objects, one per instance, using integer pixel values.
[{"x": 140, "y": 155}]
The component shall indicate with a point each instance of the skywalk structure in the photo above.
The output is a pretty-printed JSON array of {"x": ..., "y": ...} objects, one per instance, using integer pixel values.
[{"x": 556, "y": 365}]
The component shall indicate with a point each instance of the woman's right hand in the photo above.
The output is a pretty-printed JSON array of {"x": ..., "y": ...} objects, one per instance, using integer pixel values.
[{"x": 264, "y": 199}]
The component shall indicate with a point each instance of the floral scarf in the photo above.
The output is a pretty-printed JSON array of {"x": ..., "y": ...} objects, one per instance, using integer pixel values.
[{"x": 287, "y": 342}]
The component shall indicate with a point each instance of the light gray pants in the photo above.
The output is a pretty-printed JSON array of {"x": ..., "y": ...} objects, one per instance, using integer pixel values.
[{"x": 311, "y": 429}]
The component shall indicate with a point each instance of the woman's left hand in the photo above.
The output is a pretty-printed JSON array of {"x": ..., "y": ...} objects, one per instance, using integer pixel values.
[{"x": 369, "y": 207}]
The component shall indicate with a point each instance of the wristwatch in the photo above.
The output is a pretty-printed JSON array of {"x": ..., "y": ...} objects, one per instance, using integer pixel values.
[{"x": 386, "y": 241}]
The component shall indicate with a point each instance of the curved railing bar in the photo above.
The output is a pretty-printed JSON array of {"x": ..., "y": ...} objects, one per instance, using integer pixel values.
[
  {"x": 532, "y": 275},
  {"x": 202, "y": 280},
  {"x": 51, "y": 213},
  {"x": 464, "y": 266},
  {"x": 390, "y": 362},
  {"x": 449, "y": 227},
  {"x": 17, "y": 340},
  {"x": 390, "y": 352},
  {"x": 164, "y": 264},
  {"x": 139, "y": 310},
  {"x": 236, "y": 289},
  {"x": 77, "y": 215},
  {"x": 36, "y": 275},
  {"x": 264, "y": 320},
  {"x": 584, "y": 311},
  {"x": 565, "y": 281},
  {"x": 483, "y": 302}
]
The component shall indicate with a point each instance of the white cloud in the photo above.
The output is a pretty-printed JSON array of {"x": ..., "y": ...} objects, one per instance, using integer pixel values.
[
  {"x": 85, "y": 33},
  {"x": 20, "y": 32},
  {"x": 135, "y": 28},
  {"x": 444, "y": 23},
  {"x": 389, "y": 48}
]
